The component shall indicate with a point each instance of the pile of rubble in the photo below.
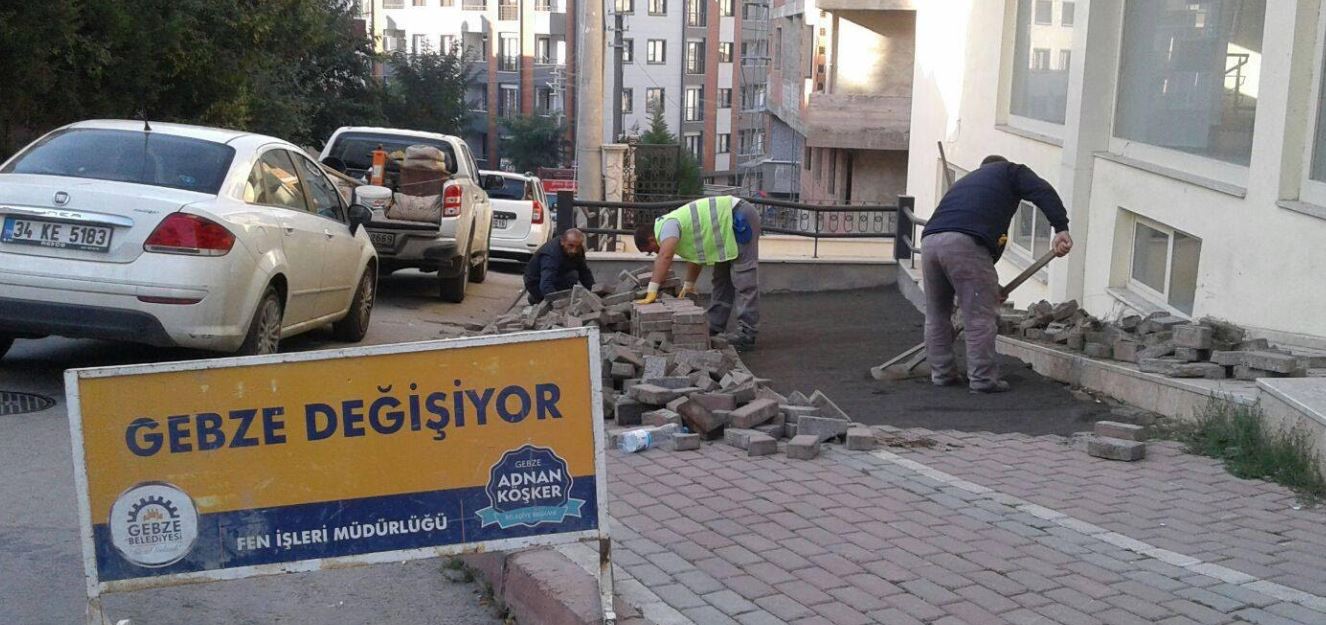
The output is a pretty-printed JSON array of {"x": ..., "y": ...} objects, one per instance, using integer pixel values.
[
  {"x": 664, "y": 375},
  {"x": 1158, "y": 343}
]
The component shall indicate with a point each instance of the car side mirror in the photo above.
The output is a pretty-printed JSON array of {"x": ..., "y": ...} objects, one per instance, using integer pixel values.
[
  {"x": 493, "y": 182},
  {"x": 360, "y": 215}
]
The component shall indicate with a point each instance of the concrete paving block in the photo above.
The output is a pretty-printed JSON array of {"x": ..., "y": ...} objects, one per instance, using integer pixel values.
[
  {"x": 827, "y": 407},
  {"x": 683, "y": 442},
  {"x": 701, "y": 420},
  {"x": 1064, "y": 310},
  {"x": 675, "y": 404},
  {"x": 1248, "y": 374},
  {"x": 738, "y": 437},
  {"x": 1272, "y": 361},
  {"x": 775, "y": 430},
  {"x": 1155, "y": 351},
  {"x": 1192, "y": 354},
  {"x": 1126, "y": 350},
  {"x": 628, "y": 411},
  {"x": 660, "y": 417},
  {"x": 1159, "y": 322},
  {"x": 1173, "y": 368},
  {"x": 1252, "y": 345},
  {"x": 754, "y": 413},
  {"x": 655, "y": 367},
  {"x": 669, "y": 382},
  {"x": 1130, "y": 322},
  {"x": 823, "y": 428},
  {"x": 622, "y": 370},
  {"x": 790, "y": 430},
  {"x": 860, "y": 439},
  {"x": 1034, "y": 334},
  {"x": 1098, "y": 350},
  {"x": 652, "y": 394},
  {"x": 1228, "y": 359},
  {"x": 1194, "y": 336},
  {"x": 761, "y": 444},
  {"x": 716, "y": 401},
  {"x": 793, "y": 413},
  {"x": 803, "y": 447},
  {"x": 1116, "y": 449},
  {"x": 744, "y": 394},
  {"x": 765, "y": 392},
  {"x": 1121, "y": 431}
]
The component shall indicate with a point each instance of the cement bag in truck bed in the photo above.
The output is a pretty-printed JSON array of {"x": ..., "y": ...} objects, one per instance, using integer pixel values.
[{"x": 419, "y": 196}]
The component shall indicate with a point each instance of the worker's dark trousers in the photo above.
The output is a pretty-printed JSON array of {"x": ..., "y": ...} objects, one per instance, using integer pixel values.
[
  {"x": 737, "y": 283},
  {"x": 565, "y": 280},
  {"x": 956, "y": 264}
]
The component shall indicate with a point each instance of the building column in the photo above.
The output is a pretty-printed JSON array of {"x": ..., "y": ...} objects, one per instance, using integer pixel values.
[{"x": 1086, "y": 131}]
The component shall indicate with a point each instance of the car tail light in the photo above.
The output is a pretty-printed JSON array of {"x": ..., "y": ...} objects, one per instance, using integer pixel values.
[
  {"x": 537, "y": 215},
  {"x": 181, "y": 233},
  {"x": 451, "y": 199}
]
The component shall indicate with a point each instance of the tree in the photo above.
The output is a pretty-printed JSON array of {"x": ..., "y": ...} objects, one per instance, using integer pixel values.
[
  {"x": 426, "y": 91},
  {"x": 658, "y": 133},
  {"x": 532, "y": 142},
  {"x": 689, "y": 181}
]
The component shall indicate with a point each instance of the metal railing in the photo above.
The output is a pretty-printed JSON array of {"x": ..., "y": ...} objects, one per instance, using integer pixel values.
[
  {"x": 605, "y": 222},
  {"x": 508, "y": 12},
  {"x": 906, "y": 245}
]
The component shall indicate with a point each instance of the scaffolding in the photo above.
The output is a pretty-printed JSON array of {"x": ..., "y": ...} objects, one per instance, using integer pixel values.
[{"x": 752, "y": 117}]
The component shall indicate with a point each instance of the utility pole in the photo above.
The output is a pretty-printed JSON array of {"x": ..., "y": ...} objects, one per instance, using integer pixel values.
[
  {"x": 618, "y": 47},
  {"x": 589, "y": 100}
]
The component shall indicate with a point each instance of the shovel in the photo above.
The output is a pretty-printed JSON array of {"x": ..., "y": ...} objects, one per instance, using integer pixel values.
[{"x": 904, "y": 365}]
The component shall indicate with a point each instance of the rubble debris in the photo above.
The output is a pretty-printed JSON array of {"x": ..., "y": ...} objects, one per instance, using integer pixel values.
[
  {"x": 1158, "y": 343},
  {"x": 861, "y": 439},
  {"x": 1116, "y": 449}
]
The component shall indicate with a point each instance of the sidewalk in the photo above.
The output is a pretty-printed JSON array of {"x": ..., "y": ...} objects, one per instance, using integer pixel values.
[{"x": 983, "y": 529}]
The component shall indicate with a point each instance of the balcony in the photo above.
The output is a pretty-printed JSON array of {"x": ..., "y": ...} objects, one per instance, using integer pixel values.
[
  {"x": 861, "y": 122},
  {"x": 866, "y": 5},
  {"x": 508, "y": 12},
  {"x": 474, "y": 5}
]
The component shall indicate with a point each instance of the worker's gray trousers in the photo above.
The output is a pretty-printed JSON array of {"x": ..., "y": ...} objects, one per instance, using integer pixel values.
[
  {"x": 737, "y": 284},
  {"x": 956, "y": 264}
]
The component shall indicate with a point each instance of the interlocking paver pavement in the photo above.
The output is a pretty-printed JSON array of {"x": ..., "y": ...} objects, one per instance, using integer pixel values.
[{"x": 982, "y": 530}]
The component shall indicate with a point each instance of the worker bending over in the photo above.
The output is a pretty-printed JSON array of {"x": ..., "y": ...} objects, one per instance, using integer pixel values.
[
  {"x": 557, "y": 266},
  {"x": 961, "y": 243},
  {"x": 722, "y": 232}
]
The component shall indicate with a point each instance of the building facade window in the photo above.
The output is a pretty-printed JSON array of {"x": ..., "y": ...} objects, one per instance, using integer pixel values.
[
  {"x": 658, "y": 51},
  {"x": 625, "y": 6},
  {"x": 508, "y": 10},
  {"x": 1317, "y": 160},
  {"x": 1067, "y": 13},
  {"x": 725, "y": 98},
  {"x": 419, "y": 44},
  {"x": 724, "y": 144},
  {"x": 447, "y": 43},
  {"x": 696, "y": 13},
  {"x": 694, "y": 110},
  {"x": 1164, "y": 264},
  {"x": 628, "y": 100},
  {"x": 543, "y": 5},
  {"x": 833, "y": 171},
  {"x": 548, "y": 102},
  {"x": 543, "y": 50},
  {"x": 654, "y": 100},
  {"x": 479, "y": 102},
  {"x": 628, "y": 50},
  {"x": 725, "y": 52},
  {"x": 508, "y": 52},
  {"x": 509, "y": 105},
  {"x": 1188, "y": 76},
  {"x": 1065, "y": 60},
  {"x": 476, "y": 47},
  {"x": 393, "y": 4},
  {"x": 393, "y": 40},
  {"x": 420, "y": 3},
  {"x": 446, "y": 3},
  {"x": 658, "y": 7},
  {"x": 725, "y": 8},
  {"x": 1031, "y": 231},
  {"x": 694, "y": 57},
  {"x": 474, "y": 5},
  {"x": 1039, "y": 92},
  {"x": 695, "y": 144}
]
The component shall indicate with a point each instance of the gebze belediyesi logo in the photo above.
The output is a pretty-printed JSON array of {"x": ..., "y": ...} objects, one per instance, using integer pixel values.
[
  {"x": 529, "y": 486},
  {"x": 154, "y": 524}
]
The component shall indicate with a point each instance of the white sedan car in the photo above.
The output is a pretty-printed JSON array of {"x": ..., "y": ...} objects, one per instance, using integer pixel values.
[
  {"x": 177, "y": 235},
  {"x": 521, "y": 219}
]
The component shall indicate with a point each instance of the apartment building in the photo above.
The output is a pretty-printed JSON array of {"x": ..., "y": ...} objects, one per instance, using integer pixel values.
[
  {"x": 839, "y": 101},
  {"x": 520, "y": 51},
  {"x": 1185, "y": 136},
  {"x": 678, "y": 55}
]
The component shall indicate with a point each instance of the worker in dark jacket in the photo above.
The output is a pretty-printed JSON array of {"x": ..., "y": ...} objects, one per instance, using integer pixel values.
[
  {"x": 558, "y": 266},
  {"x": 961, "y": 243}
]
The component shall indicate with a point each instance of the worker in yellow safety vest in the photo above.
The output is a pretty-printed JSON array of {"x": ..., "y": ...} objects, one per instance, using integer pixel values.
[{"x": 722, "y": 232}]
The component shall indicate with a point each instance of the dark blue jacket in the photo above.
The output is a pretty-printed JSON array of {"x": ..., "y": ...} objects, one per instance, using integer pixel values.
[
  {"x": 550, "y": 270},
  {"x": 983, "y": 203}
]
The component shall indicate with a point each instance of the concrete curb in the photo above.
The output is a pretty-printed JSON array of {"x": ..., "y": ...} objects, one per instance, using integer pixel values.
[{"x": 544, "y": 587}]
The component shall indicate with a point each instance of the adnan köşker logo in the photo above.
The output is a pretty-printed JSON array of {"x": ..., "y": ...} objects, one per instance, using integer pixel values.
[
  {"x": 529, "y": 486},
  {"x": 154, "y": 524}
]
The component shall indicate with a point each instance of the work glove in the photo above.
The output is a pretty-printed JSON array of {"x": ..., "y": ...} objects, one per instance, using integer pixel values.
[
  {"x": 686, "y": 289},
  {"x": 650, "y": 295}
]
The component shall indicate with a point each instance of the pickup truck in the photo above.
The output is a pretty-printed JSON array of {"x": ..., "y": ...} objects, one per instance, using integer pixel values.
[{"x": 458, "y": 246}]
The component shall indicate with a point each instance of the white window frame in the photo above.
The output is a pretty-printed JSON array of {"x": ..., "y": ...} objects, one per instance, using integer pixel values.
[
  {"x": 628, "y": 101},
  {"x": 1143, "y": 290},
  {"x": 1053, "y": 131},
  {"x": 698, "y": 140},
  {"x": 1314, "y": 191},
  {"x": 662, "y": 49}
]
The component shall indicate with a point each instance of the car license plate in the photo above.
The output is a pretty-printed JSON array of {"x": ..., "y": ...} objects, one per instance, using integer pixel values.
[
  {"x": 382, "y": 239},
  {"x": 500, "y": 223},
  {"x": 56, "y": 234}
]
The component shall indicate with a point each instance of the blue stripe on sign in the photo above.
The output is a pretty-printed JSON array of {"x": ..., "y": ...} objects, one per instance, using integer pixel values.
[{"x": 218, "y": 545}]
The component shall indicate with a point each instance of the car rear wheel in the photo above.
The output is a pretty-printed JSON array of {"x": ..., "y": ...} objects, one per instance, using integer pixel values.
[
  {"x": 479, "y": 272},
  {"x": 354, "y": 326},
  {"x": 264, "y": 335}
]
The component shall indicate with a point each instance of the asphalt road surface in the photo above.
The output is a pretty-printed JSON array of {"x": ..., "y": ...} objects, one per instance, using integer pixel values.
[{"x": 41, "y": 571}]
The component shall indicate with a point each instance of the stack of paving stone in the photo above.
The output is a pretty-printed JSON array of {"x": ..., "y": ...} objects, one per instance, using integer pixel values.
[
  {"x": 662, "y": 371},
  {"x": 1117, "y": 441},
  {"x": 1159, "y": 343}
]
